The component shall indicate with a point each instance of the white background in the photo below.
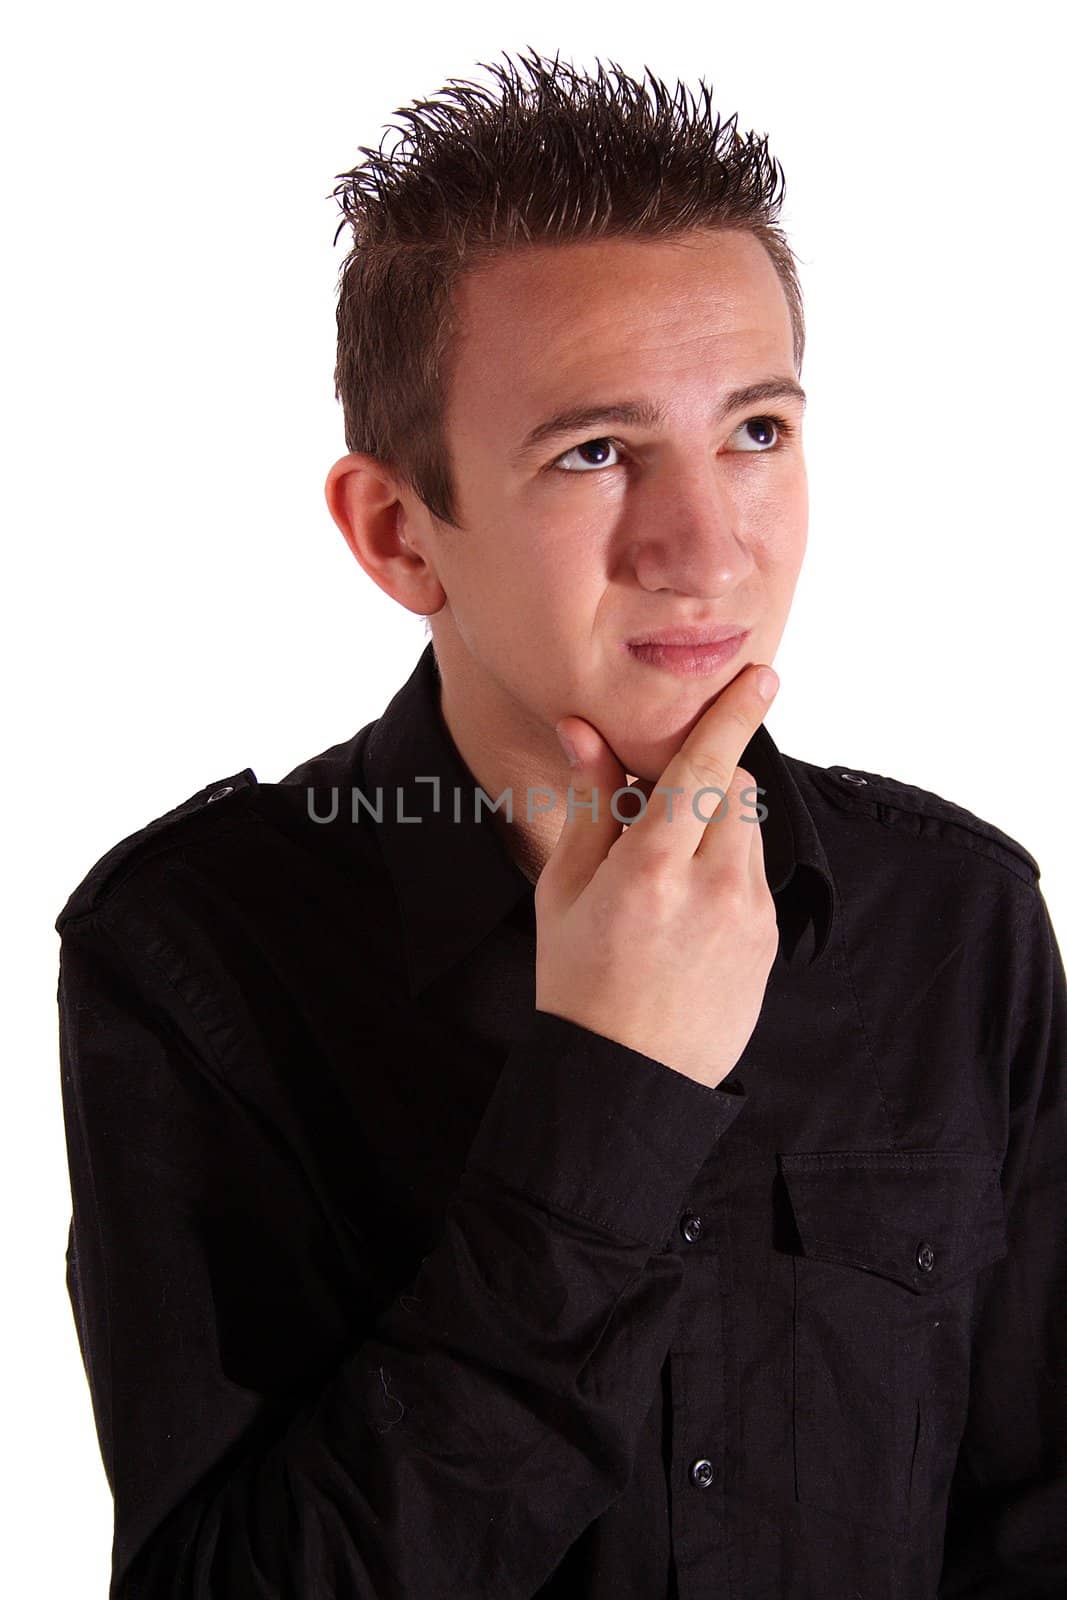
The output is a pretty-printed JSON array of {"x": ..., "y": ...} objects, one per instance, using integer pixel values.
[{"x": 180, "y": 605}]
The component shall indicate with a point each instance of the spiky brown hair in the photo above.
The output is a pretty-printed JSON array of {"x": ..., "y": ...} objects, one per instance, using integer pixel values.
[{"x": 552, "y": 158}]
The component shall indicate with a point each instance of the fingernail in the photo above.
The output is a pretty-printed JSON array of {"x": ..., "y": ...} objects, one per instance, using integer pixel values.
[
  {"x": 767, "y": 683},
  {"x": 568, "y": 749}
]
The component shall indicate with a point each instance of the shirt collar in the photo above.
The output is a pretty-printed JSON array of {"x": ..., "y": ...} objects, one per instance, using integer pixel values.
[{"x": 453, "y": 876}]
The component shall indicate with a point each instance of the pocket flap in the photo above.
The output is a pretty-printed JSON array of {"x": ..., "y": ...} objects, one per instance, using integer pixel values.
[{"x": 924, "y": 1218}]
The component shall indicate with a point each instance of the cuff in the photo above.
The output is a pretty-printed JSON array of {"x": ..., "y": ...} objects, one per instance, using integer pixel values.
[{"x": 591, "y": 1127}]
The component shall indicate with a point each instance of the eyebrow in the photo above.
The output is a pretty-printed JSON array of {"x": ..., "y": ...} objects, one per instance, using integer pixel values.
[{"x": 646, "y": 414}]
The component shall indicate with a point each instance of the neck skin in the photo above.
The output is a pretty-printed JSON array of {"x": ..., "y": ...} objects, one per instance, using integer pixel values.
[{"x": 504, "y": 748}]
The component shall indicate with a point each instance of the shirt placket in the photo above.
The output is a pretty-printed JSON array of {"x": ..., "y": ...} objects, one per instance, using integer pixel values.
[{"x": 700, "y": 1456}]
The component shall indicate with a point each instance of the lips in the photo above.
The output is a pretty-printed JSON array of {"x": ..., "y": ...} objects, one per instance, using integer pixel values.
[
  {"x": 691, "y": 638},
  {"x": 700, "y": 660}
]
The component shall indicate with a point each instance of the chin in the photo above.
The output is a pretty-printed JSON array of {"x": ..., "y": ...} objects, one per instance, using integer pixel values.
[
  {"x": 654, "y": 737},
  {"x": 646, "y": 758}
]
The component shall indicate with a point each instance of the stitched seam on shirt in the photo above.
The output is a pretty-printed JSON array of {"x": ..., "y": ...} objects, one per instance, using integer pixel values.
[
  {"x": 106, "y": 891},
  {"x": 145, "y": 954},
  {"x": 487, "y": 1177},
  {"x": 968, "y": 838},
  {"x": 963, "y": 836},
  {"x": 978, "y": 844}
]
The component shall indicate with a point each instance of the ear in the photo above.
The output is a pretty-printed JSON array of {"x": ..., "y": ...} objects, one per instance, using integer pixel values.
[{"x": 383, "y": 524}]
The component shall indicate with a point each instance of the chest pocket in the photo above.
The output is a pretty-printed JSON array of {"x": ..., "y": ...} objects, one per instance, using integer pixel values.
[{"x": 889, "y": 1245}]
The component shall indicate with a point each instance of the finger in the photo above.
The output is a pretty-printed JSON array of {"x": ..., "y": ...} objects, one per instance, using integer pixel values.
[
  {"x": 589, "y": 828},
  {"x": 732, "y": 820},
  {"x": 704, "y": 764}
]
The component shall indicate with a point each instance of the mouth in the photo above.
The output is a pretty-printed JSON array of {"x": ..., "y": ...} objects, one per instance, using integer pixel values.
[{"x": 700, "y": 656}]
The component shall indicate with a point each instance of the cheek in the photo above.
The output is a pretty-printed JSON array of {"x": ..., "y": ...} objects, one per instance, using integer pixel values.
[
  {"x": 779, "y": 533},
  {"x": 523, "y": 603},
  {"x": 556, "y": 568},
  {"x": 779, "y": 558}
]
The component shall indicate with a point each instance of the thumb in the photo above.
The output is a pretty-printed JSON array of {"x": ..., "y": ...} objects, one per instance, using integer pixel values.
[{"x": 589, "y": 828}]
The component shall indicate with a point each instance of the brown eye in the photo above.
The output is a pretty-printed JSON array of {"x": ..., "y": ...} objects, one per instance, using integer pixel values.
[
  {"x": 590, "y": 455},
  {"x": 760, "y": 434}
]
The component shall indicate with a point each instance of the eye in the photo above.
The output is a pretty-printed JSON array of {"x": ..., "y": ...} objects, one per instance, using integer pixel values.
[
  {"x": 759, "y": 436},
  {"x": 755, "y": 430},
  {"x": 596, "y": 445}
]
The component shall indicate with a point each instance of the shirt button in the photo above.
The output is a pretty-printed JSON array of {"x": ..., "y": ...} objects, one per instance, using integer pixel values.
[
  {"x": 691, "y": 1226},
  {"x": 925, "y": 1258},
  {"x": 702, "y": 1473}
]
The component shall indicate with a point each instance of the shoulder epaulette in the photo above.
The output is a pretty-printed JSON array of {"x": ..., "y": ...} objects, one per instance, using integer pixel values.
[
  {"x": 890, "y": 801},
  {"x": 137, "y": 846}
]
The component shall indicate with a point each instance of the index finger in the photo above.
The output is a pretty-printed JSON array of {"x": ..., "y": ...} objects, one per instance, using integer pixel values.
[{"x": 707, "y": 760}]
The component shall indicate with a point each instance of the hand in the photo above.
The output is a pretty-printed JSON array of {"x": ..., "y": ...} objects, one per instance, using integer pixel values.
[{"x": 661, "y": 935}]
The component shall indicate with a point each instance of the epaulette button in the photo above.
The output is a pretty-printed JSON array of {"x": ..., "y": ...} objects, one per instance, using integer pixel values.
[
  {"x": 850, "y": 777},
  {"x": 220, "y": 794}
]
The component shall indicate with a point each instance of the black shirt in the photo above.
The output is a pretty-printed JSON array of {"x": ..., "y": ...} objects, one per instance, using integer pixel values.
[{"x": 388, "y": 1284}]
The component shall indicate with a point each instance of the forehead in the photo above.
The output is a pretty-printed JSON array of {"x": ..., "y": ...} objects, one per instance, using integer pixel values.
[{"x": 550, "y": 320}]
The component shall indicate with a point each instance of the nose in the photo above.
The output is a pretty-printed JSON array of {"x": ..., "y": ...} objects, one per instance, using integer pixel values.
[{"x": 689, "y": 539}]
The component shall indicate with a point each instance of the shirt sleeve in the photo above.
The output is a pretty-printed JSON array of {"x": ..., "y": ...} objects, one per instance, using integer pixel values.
[
  {"x": 469, "y": 1432},
  {"x": 1006, "y": 1534}
]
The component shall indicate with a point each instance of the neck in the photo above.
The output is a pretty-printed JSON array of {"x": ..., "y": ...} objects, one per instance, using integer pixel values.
[{"x": 505, "y": 749}]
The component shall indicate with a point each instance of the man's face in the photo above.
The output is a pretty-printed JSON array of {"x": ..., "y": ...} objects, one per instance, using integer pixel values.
[{"x": 611, "y": 530}]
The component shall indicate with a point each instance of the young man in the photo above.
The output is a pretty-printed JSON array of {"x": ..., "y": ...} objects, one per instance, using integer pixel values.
[{"x": 476, "y": 1195}]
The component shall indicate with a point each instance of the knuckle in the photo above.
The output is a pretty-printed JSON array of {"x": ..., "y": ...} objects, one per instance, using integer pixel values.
[
  {"x": 730, "y": 888},
  {"x": 742, "y": 720},
  {"x": 767, "y": 915},
  {"x": 655, "y": 866},
  {"x": 708, "y": 770}
]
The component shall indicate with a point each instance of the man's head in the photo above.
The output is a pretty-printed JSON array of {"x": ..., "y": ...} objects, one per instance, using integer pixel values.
[{"x": 572, "y": 243}]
